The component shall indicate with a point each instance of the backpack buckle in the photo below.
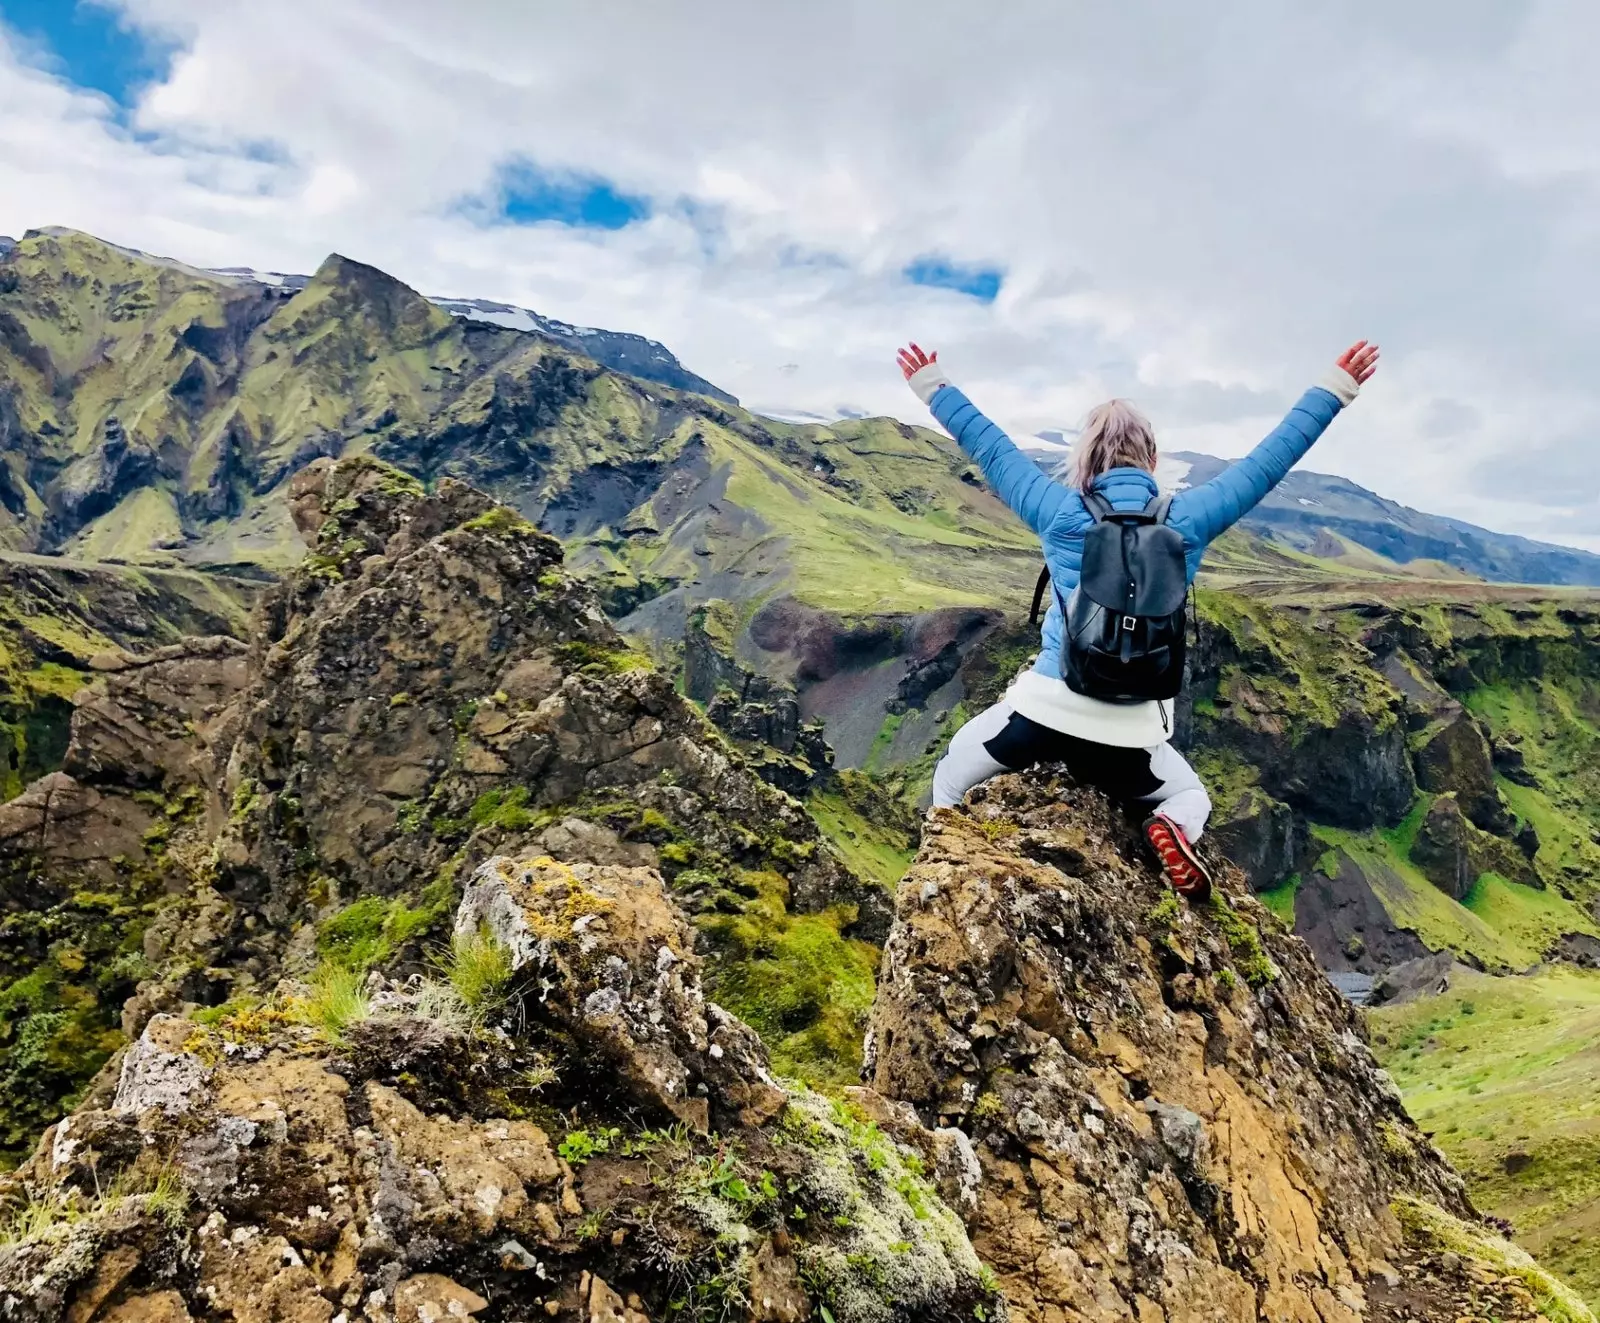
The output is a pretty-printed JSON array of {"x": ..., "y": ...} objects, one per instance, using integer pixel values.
[{"x": 1130, "y": 623}]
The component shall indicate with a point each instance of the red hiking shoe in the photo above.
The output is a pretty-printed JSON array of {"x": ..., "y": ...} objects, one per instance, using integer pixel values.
[{"x": 1185, "y": 873}]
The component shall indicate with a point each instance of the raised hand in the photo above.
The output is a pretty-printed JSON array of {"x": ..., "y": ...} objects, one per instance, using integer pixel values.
[
  {"x": 1360, "y": 360},
  {"x": 913, "y": 360}
]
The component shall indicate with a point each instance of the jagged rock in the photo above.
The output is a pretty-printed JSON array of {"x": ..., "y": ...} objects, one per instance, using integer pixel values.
[
  {"x": 1578, "y": 949},
  {"x": 616, "y": 958},
  {"x": 1453, "y": 854},
  {"x": 101, "y": 478},
  {"x": 1174, "y": 1114},
  {"x": 750, "y": 706},
  {"x": 1425, "y": 977},
  {"x": 433, "y": 653},
  {"x": 320, "y": 1170},
  {"x": 1443, "y": 849},
  {"x": 1509, "y": 760},
  {"x": 140, "y": 725},
  {"x": 1455, "y": 757},
  {"x": 1267, "y": 839}
]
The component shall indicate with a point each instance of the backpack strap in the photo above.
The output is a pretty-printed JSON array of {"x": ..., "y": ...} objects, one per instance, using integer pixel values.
[
  {"x": 1157, "y": 508},
  {"x": 1038, "y": 595},
  {"x": 1098, "y": 507}
]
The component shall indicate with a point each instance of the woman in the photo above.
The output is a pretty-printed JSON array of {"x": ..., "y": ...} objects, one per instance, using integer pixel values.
[{"x": 1121, "y": 747}]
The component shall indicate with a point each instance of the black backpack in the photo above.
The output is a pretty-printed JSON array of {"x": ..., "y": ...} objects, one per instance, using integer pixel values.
[{"x": 1123, "y": 626}]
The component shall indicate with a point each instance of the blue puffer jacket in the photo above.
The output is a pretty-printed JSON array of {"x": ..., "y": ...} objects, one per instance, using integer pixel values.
[{"x": 1056, "y": 512}]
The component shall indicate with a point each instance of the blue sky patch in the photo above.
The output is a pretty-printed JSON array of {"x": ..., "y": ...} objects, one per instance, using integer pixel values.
[
  {"x": 978, "y": 282},
  {"x": 90, "y": 45},
  {"x": 525, "y": 194}
]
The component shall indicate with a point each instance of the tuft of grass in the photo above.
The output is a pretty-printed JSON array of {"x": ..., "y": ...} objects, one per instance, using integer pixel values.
[
  {"x": 479, "y": 970},
  {"x": 337, "y": 1000},
  {"x": 166, "y": 1198},
  {"x": 39, "y": 1218}
]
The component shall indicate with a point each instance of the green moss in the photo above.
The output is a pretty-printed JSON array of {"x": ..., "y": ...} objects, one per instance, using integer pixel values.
[
  {"x": 1280, "y": 899},
  {"x": 60, "y": 1010},
  {"x": 503, "y": 808},
  {"x": 592, "y": 659},
  {"x": 884, "y": 1237},
  {"x": 1249, "y": 956},
  {"x": 502, "y": 521},
  {"x": 804, "y": 987},
  {"x": 1165, "y": 912},
  {"x": 883, "y": 741},
  {"x": 372, "y": 931},
  {"x": 1404, "y": 834}
]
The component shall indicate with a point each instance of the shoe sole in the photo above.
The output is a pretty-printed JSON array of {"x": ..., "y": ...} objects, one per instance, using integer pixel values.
[{"x": 1198, "y": 890}]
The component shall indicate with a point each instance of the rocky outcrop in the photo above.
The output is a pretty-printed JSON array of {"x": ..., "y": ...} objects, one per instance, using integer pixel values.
[
  {"x": 1267, "y": 839},
  {"x": 283, "y": 1163},
  {"x": 1173, "y": 1114},
  {"x": 1427, "y": 976},
  {"x": 91, "y": 859},
  {"x": 1443, "y": 849},
  {"x": 1454, "y": 756},
  {"x": 749, "y": 706},
  {"x": 1312, "y": 715},
  {"x": 1453, "y": 854},
  {"x": 432, "y": 679},
  {"x": 429, "y": 686}
]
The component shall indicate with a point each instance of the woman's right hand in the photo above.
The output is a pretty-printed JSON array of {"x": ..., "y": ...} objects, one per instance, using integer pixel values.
[
  {"x": 922, "y": 372},
  {"x": 913, "y": 360},
  {"x": 1360, "y": 361}
]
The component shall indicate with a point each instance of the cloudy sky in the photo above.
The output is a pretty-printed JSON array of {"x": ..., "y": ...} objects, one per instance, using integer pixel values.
[{"x": 1195, "y": 206}]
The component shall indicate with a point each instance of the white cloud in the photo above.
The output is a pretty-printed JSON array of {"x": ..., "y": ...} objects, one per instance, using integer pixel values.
[{"x": 1194, "y": 207}]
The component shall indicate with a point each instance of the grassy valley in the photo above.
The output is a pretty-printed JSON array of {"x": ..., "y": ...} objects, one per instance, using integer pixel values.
[{"x": 1501, "y": 1071}]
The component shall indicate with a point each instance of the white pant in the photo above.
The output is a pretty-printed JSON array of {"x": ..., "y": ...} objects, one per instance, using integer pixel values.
[{"x": 1160, "y": 777}]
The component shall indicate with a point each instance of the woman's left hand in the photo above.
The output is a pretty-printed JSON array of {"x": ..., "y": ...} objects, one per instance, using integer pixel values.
[
  {"x": 1360, "y": 361},
  {"x": 913, "y": 360}
]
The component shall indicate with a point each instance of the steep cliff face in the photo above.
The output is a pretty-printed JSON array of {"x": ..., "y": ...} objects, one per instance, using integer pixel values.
[
  {"x": 1174, "y": 1114},
  {"x": 1369, "y": 762},
  {"x": 56, "y": 617}
]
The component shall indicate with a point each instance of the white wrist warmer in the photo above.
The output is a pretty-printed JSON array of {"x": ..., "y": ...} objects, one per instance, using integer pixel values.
[
  {"x": 925, "y": 381},
  {"x": 1339, "y": 383}
]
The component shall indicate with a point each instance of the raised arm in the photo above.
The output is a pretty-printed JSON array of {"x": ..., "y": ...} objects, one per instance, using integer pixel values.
[
  {"x": 1202, "y": 514},
  {"x": 1018, "y": 481}
]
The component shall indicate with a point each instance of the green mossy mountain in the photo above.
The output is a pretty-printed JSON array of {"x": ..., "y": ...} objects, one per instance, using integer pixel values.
[{"x": 153, "y": 412}]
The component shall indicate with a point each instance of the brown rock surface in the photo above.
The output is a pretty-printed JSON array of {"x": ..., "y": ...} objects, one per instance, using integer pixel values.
[{"x": 1174, "y": 1114}]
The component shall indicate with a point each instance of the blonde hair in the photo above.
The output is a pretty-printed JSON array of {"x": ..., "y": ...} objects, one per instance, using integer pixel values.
[{"x": 1115, "y": 435}]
